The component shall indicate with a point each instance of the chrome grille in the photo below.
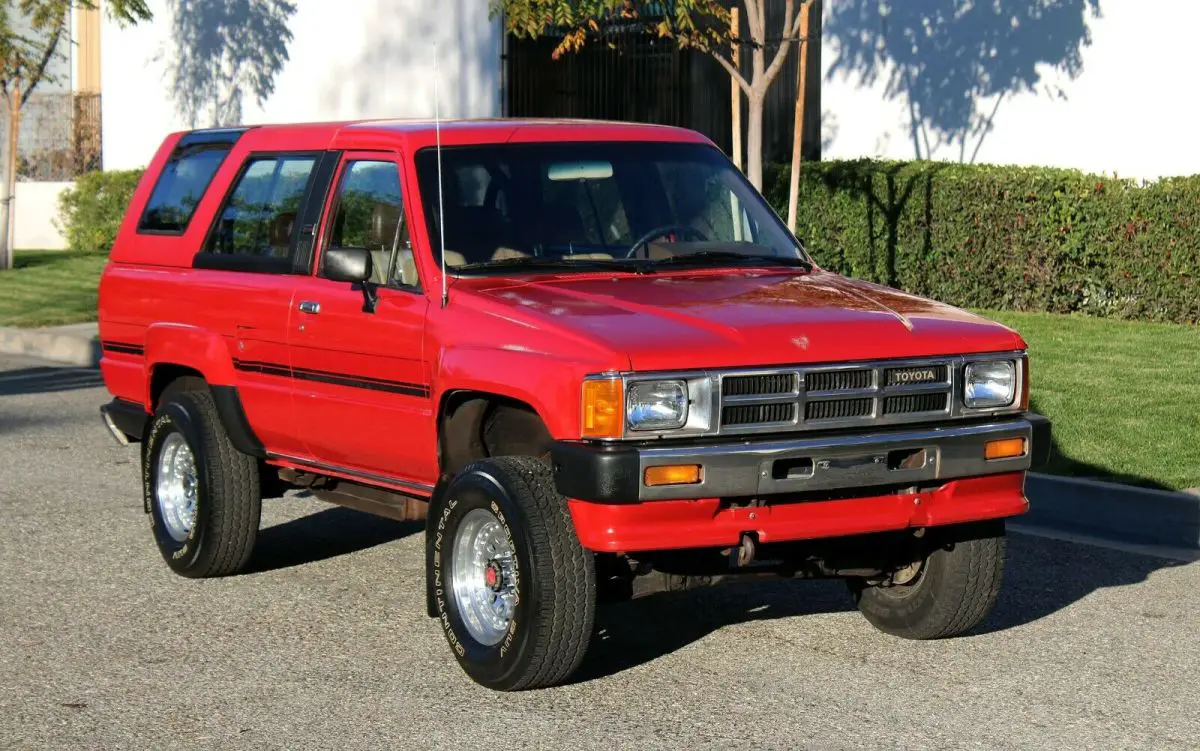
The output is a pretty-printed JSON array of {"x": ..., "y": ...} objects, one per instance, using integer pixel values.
[
  {"x": 837, "y": 409},
  {"x": 758, "y": 385},
  {"x": 758, "y": 414},
  {"x": 828, "y": 397},
  {"x": 911, "y": 403},
  {"x": 839, "y": 380}
]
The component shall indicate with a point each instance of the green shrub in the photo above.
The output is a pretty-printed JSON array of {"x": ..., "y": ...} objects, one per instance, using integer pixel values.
[
  {"x": 1016, "y": 238},
  {"x": 90, "y": 213}
]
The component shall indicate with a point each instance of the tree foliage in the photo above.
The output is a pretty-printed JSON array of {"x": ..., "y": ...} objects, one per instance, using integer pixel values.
[
  {"x": 33, "y": 34},
  {"x": 703, "y": 25}
]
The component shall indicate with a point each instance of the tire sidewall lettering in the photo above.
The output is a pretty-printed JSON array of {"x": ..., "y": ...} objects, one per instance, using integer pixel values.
[
  {"x": 480, "y": 495},
  {"x": 174, "y": 417}
]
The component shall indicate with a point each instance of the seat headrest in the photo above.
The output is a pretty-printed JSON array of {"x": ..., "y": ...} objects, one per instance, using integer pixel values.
[
  {"x": 281, "y": 229},
  {"x": 384, "y": 219}
]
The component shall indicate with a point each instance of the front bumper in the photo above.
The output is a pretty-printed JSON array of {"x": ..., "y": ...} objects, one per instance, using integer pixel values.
[{"x": 607, "y": 474}]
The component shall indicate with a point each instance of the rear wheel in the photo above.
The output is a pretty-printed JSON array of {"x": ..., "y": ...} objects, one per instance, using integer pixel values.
[
  {"x": 512, "y": 587},
  {"x": 948, "y": 589},
  {"x": 202, "y": 494}
]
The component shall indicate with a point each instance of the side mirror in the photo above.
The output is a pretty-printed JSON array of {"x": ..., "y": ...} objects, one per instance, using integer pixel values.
[
  {"x": 348, "y": 264},
  {"x": 353, "y": 265}
]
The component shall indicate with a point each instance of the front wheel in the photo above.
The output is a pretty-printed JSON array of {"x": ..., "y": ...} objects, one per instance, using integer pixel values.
[
  {"x": 513, "y": 589},
  {"x": 948, "y": 590}
]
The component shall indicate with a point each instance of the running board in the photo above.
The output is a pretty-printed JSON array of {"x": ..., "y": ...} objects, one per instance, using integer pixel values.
[{"x": 365, "y": 498}]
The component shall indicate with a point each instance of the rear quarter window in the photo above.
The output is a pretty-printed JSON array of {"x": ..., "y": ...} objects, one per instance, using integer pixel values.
[{"x": 180, "y": 187}]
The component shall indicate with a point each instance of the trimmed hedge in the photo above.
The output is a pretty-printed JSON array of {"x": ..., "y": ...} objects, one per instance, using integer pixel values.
[
  {"x": 89, "y": 214},
  {"x": 1013, "y": 238}
]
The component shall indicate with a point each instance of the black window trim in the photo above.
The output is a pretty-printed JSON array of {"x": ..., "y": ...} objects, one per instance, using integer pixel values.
[
  {"x": 232, "y": 262},
  {"x": 335, "y": 199}
]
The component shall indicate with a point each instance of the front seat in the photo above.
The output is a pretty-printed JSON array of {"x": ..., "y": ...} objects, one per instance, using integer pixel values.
[{"x": 382, "y": 237}]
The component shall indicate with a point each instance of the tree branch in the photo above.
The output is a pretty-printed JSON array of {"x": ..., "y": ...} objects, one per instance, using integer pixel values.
[
  {"x": 784, "y": 45},
  {"x": 757, "y": 32},
  {"x": 804, "y": 8},
  {"x": 733, "y": 72},
  {"x": 47, "y": 55}
]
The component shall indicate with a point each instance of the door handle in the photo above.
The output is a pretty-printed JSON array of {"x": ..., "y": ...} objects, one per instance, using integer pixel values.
[{"x": 308, "y": 306}]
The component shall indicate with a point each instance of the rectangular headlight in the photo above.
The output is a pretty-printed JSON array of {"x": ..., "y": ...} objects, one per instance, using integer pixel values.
[
  {"x": 990, "y": 384},
  {"x": 656, "y": 405}
]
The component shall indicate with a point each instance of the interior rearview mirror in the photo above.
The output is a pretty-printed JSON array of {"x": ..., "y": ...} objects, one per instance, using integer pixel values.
[{"x": 593, "y": 170}]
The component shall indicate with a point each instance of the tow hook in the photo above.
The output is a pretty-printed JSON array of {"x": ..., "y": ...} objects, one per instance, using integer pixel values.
[{"x": 745, "y": 551}]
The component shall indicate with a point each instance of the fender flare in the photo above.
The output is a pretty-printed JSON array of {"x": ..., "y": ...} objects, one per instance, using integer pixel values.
[{"x": 206, "y": 353}]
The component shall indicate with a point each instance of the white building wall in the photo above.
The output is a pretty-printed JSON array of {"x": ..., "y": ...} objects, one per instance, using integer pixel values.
[
  {"x": 1130, "y": 110},
  {"x": 36, "y": 207},
  {"x": 348, "y": 59}
]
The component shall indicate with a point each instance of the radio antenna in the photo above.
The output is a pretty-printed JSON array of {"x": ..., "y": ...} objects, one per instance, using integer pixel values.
[{"x": 437, "y": 127}]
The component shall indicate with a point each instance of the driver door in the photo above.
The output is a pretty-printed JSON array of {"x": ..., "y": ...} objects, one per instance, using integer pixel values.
[{"x": 363, "y": 398}]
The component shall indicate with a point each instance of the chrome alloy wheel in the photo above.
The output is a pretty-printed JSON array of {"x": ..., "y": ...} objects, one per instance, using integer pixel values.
[
  {"x": 483, "y": 577},
  {"x": 175, "y": 489}
]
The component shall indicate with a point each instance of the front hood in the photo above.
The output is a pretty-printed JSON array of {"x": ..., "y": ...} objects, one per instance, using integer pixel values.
[{"x": 733, "y": 319}]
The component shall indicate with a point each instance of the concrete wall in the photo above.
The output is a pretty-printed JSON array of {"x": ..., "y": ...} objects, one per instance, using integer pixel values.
[
  {"x": 35, "y": 208},
  {"x": 347, "y": 59},
  {"x": 1089, "y": 84}
]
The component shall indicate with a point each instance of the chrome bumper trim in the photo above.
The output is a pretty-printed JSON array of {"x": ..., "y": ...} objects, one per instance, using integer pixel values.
[{"x": 837, "y": 462}]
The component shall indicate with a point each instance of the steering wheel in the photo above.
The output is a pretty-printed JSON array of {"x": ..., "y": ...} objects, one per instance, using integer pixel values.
[{"x": 685, "y": 232}]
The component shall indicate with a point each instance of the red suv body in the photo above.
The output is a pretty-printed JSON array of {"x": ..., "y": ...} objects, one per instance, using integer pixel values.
[{"x": 598, "y": 331}]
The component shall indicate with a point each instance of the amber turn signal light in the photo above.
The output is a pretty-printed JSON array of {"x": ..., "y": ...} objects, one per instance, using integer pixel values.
[
  {"x": 673, "y": 474},
  {"x": 603, "y": 408},
  {"x": 1009, "y": 448}
]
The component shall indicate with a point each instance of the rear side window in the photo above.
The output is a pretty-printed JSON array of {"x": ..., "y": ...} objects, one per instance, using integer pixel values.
[
  {"x": 180, "y": 188},
  {"x": 259, "y": 217}
]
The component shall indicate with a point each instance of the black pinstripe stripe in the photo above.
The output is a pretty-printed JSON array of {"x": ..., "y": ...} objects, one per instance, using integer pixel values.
[
  {"x": 337, "y": 379},
  {"x": 123, "y": 348}
]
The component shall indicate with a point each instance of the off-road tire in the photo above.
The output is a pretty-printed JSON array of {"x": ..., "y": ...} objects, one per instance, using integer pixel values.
[
  {"x": 228, "y": 502},
  {"x": 556, "y": 582},
  {"x": 954, "y": 591}
]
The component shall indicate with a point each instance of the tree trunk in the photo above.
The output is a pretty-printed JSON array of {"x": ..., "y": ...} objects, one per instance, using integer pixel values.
[
  {"x": 798, "y": 135},
  {"x": 8, "y": 180},
  {"x": 754, "y": 140}
]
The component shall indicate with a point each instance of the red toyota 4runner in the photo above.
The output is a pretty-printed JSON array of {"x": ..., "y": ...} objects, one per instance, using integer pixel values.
[{"x": 629, "y": 367}]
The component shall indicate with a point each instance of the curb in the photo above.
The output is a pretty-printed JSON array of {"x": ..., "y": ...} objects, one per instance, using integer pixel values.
[
  {"x": 47, "y": 344},
  {"x": 1108, "y": 511}
]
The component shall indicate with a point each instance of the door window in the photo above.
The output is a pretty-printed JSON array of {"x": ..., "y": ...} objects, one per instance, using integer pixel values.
[
  {"x": 259, "y": 217},
  {"x": 370, "y": 214}
]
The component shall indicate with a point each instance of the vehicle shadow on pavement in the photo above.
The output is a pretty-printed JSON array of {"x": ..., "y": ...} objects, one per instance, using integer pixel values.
[
  {"x": 47, "y": 380},
  {"x": 628, "y": 634},
  {"x": 1042, "y": 577},
  {"x": 326, "y": 534}
]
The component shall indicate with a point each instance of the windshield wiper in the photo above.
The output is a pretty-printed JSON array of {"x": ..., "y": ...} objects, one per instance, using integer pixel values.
[
  {"x": 534, "y": 263},
  {"x": 705, "y": 257}
]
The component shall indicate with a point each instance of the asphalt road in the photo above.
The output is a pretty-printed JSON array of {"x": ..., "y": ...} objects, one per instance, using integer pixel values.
[{"x": 326, "y": 644}]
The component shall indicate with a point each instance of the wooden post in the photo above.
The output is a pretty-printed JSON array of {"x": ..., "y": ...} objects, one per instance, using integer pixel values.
[
  {"x": 735, "y": 89},
  {"x": 798, "y": 136}
]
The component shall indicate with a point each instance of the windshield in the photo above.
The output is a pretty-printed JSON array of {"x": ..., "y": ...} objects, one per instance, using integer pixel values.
[{"x": 590, "y": 204}]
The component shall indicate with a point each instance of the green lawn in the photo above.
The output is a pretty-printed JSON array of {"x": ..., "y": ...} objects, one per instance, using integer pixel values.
[
  {"x": 1124, "y": 396},
  {"x": 48, "y": 288}
]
